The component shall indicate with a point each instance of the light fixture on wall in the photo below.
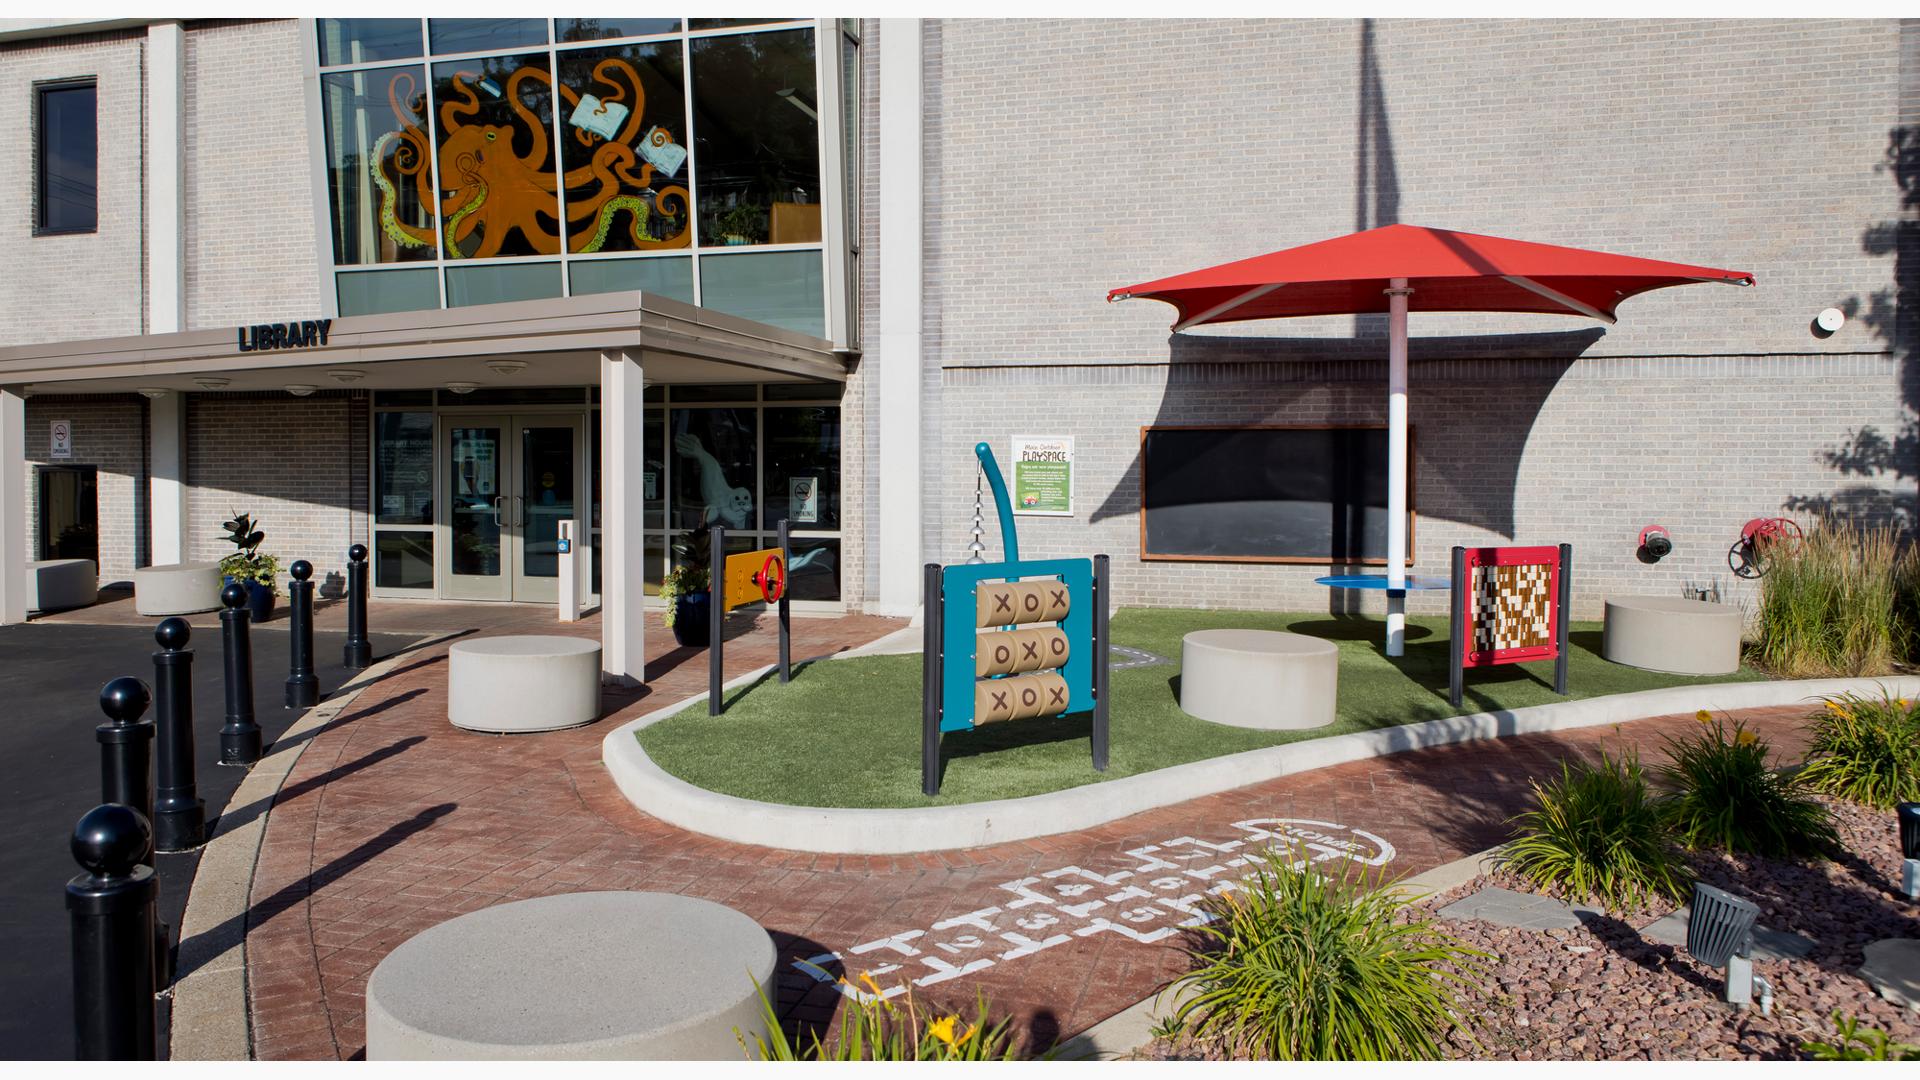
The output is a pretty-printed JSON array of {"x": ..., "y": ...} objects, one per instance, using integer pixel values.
[
  {"x": 346, "y": 375},
  {"x": 463, "y": 387},
  {"x": 301, "y": 389},
  {"x": 212, "y": 382},
  {"x": 154, "y": 393},
  {"x": 507, "y": 367}
]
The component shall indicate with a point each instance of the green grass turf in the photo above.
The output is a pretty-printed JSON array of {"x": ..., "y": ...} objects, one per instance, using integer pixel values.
[{"x": 847, "y": 732}]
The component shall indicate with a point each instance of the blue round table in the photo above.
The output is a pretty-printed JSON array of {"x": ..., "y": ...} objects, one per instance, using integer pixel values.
[{"x": 1379, "y": 581}]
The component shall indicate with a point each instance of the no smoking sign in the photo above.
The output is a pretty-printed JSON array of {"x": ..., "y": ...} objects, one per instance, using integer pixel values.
[{"x": 60, "y": 441}]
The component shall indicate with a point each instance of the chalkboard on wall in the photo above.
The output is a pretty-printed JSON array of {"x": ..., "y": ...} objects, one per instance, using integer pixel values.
[{"x": 1266, "y": 494}]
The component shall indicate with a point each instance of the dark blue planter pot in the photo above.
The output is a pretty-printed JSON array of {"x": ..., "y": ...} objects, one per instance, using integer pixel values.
[
  {"x": 693, "y": 619},
  {"x": 259, "y": 600}
]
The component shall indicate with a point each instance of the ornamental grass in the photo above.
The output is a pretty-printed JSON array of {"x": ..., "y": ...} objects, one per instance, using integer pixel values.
[
  {"x": 1865, "y": 749},
  {"x": 1596, "y": 833},
  {"x": 874, "y": 1028},
  {"x": 1726, "y": 795},
  {"x": 1835, "y": 606}
]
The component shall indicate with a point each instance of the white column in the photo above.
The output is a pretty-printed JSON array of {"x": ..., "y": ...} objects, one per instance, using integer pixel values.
[
  {"x": 623, "y": 652},
  {"x": 13, "y": 505},
  {"x": 167, "y": 478},
  {"x": 166, "y": 188},
  {"x": 897, "y": 518},
  {"x": 1397, "y": 467}
]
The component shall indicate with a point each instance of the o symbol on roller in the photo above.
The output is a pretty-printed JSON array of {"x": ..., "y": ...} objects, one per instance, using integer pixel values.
[
  {"x": 1001, "y": 654},
  {"x": 1028, "y": 697},
  {"x": 1031, "y": 602},
  {"x": 1057, "y": 646}
]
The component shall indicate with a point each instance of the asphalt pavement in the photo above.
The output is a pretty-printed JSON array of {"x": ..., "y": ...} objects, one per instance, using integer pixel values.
[{"x": 50, "y": 680}]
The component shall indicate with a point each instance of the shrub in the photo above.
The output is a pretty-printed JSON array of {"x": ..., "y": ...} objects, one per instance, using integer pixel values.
[
  {"x": 1857, "y": 1043},
  {"x": 1866, "y": 750},
  {"x": 1303, "y": 967},
  {"x": 1830, "y": 607},
  {"x": 875, "y": 1029},
  {"x": 1596, "y": 833},
  {"x": 1727, "y": 796}
]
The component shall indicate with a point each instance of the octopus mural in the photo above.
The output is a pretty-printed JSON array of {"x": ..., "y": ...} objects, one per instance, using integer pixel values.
[{"x": 491, "y": 191}]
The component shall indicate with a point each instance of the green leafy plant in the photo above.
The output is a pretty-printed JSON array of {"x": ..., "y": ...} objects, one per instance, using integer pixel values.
[
  {"x": 1831, "y": 606},
  {"x": 247, "y": 564},
  {"x": 691, "y": 573},
  {"x": 1300, "y": 966},
  {"x": 1596, "y": 832},
  {"x": 1855, "y": 1042},
  {"x": 1727, "y": 796},
  {"x": 1865, "y": 749},
  {"x": 872, "y": 1028}
]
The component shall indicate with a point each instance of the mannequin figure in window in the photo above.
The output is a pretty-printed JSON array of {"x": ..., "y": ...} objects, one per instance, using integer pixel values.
[{"x": 725, "y": 503}]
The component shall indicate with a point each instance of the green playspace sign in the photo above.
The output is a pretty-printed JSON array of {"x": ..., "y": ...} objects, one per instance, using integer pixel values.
[{"x": 1043, "y": 474}]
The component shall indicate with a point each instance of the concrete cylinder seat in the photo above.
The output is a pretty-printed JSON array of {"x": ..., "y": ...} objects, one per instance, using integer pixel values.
[
  {"x": 1259, "y": 678},
  {"x": 523, "y": 682},
  {"x": 177, "y": 588},
  {"x": 1672, "y": 634},
  {"x": 57, "y": 584},
  {"x": 579, "y": 976}
]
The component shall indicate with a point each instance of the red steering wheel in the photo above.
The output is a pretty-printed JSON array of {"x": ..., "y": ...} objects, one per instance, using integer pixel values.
[{"x": 772, "y": 579}]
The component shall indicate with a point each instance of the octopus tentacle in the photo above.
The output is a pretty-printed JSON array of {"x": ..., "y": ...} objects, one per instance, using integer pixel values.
[{"x": 401, "y": 233}]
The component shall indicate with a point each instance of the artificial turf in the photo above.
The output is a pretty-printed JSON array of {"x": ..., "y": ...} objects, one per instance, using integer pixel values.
[{"x": 847, "y": 732}]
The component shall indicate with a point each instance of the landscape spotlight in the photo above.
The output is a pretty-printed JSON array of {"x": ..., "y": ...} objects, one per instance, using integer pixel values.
[
  {"x": 1908, "y": 814},
  {"x": 1720, "y": 934}
]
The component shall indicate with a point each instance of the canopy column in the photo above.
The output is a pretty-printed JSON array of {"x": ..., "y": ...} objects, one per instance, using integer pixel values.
[
  {"x": 13, "y": 505},
  {"x": 623, "y": 653},
  {"x": 1397, "y": 467}
]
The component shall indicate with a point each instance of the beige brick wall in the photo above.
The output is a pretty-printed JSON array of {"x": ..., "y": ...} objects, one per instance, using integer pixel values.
[{"x": 109, "y": 434}]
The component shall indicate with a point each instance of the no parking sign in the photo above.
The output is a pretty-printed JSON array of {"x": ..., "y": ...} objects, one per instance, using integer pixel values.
[{"x": 60, "y": 441}]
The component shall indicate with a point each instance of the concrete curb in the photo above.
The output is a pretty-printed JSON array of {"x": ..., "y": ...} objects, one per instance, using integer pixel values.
[
  {"x": 211, "y": 1017},
  {"x": 906, "y": 830},
  {"x": 1132, "y": 1027}
]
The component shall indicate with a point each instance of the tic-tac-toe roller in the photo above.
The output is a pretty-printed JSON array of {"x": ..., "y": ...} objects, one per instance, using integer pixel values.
[{"x": 1012, "y": 640}]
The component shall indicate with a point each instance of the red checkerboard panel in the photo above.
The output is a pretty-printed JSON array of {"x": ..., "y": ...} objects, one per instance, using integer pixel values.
[{"x": 1511, "y": 604}]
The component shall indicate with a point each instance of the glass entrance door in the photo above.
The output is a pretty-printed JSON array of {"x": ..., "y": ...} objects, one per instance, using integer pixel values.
[{"x": 510, "y": 481}]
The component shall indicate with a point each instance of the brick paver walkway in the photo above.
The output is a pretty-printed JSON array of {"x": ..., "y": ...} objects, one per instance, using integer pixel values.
[{"x": 393, "y": 821}]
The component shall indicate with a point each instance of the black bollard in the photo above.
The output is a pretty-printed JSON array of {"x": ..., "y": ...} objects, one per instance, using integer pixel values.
[
  {"x": 302, "y": 688},
  {"x": 126, "y": 748},
  {"x": 240, "y": 736},
  {"x": 359, "y": 650},
  {"x": 179, "y": 814},
  {"x": 110, "y": 909}
]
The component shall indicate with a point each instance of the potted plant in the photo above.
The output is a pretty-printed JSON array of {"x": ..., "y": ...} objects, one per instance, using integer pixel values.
[
  {"x": 249, "y": 567},
  {"x": 686, "y": 588},
  {"x": 743, "y": 223}
]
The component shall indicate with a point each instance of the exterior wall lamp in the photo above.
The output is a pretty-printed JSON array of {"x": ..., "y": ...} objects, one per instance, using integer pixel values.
[
  {"x": 1908, "y": 814},
  {"x": 463, "y": 387}
]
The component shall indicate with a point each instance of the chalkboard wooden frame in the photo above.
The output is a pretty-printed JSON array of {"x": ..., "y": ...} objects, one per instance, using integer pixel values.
[{"x": 1297, "y": 560}]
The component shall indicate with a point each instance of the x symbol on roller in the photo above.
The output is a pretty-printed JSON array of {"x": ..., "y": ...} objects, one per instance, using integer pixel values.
[
  {"x": 1059, "y": 597},
  {"x": 1002, "y": 602},
  {"x": 999, "y": 698},
  {"x": 1059, "y": 696},
  {"x": 1032, "y": 650}
]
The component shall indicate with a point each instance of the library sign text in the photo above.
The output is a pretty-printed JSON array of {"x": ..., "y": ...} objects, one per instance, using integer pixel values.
[{"x": 303, "y": 334}]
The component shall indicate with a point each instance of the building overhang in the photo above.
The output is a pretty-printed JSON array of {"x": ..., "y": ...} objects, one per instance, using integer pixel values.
[{"x": 561, "y": 339}]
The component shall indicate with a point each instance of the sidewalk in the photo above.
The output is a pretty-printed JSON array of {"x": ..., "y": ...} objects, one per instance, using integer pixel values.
[{"x": 392, "y": 821}]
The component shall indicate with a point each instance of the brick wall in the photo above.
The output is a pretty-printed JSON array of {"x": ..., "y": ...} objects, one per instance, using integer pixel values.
[
  {"x": 80, "y": 285},
  {"x": 298, "y": 465},
  {"x": 1175, "y": 145},
  {"x": 109, "y": 432}
]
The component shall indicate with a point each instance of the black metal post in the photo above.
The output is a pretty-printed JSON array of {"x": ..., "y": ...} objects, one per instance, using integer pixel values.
[
  {"x": 1457, "y": 628},
  {"x": 933, "y": 617},
  {"x": 786, "y": 622},
  {"x": 110, "y": 910},
  {"x": 240, "y": 736},
  {"x": 1102, "y": 655},
  {"x": 126, "y": 748},
  {"x": 359, "y": 651},
  {"x": 303, "y": 689},
  {"x": 179, "y": 814},
  {"x": 1565, "y": 612},
  {"x": 716, "y": 617}
]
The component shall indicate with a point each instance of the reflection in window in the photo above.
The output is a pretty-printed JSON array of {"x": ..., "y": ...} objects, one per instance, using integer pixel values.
[
  {"x": 474, "y": 35},
  {"x": 379, "y": 174},
  {"x": 502, "y": 283},
  {"x": 813, "y": 568},
  {"x": 779, "y": 288},
  {"x": 360, "y": 41},
  {"x": 803, "y": 468},
  {"x": 403, "y": 560},
  {"x": 713, "y": 468},
  {"x": 378, "y": 292},
  {"x": 672, "y": 277},
  {"x": 67, "y": 156},
  {"x": 623, "y": 134},
  {"x": 715, "y": 24},
  {"x": 496, "y": 168},
  {"x": 756, "y": 138},
  {"x": 606, "y": 29},
  {"x": 403, "y": 468}
]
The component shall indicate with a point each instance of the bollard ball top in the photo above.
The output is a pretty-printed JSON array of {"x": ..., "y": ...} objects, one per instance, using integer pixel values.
[
  {"x": 357, "y": 553},
  {"x": 110, "y": 840},
  {"x": 125, "y": 699},
  {"x": 301, "y": 569},
  {"x": 173, "y": 633},
  {"x": 234, "y": 595}
]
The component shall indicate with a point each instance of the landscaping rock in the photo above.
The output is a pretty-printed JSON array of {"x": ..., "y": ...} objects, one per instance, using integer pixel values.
[
  {"x": 1893, "y": 970},
  {"x": 1768, "y": 944}
]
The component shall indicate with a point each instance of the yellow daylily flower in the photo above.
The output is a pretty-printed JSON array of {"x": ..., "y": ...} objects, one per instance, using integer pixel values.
[
  {"x": 972, "y": 1030},
  {"x": 866, "y": 977},
  {"x": 942, "y": 1029},
  {"x": 1703, "y": 716},
  {"x": 1746, "y": 738}
]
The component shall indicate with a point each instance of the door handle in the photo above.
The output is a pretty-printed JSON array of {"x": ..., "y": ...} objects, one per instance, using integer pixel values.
[
  {"x": 497, "y": 523},
  {"x": 520, "y": 511}
]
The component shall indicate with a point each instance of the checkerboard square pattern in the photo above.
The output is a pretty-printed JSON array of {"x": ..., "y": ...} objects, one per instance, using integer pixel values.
[{"x": 1512, "y": 607}]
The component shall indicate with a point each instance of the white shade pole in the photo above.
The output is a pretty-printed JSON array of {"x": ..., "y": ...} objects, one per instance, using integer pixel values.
[{"x": 1397, "y": 467}]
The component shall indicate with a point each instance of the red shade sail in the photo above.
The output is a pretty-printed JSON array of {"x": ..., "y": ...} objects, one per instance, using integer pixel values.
[{"x": 1447, "y": 271}]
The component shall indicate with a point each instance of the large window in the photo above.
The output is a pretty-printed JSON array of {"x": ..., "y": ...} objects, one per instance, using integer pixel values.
[
  {"x": 514, "y": 159},
  {"x": 66, "y": 158}
]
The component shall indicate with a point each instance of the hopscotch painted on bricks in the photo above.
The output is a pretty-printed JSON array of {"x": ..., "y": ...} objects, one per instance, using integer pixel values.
[{"x": 1148, "y": 902}]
